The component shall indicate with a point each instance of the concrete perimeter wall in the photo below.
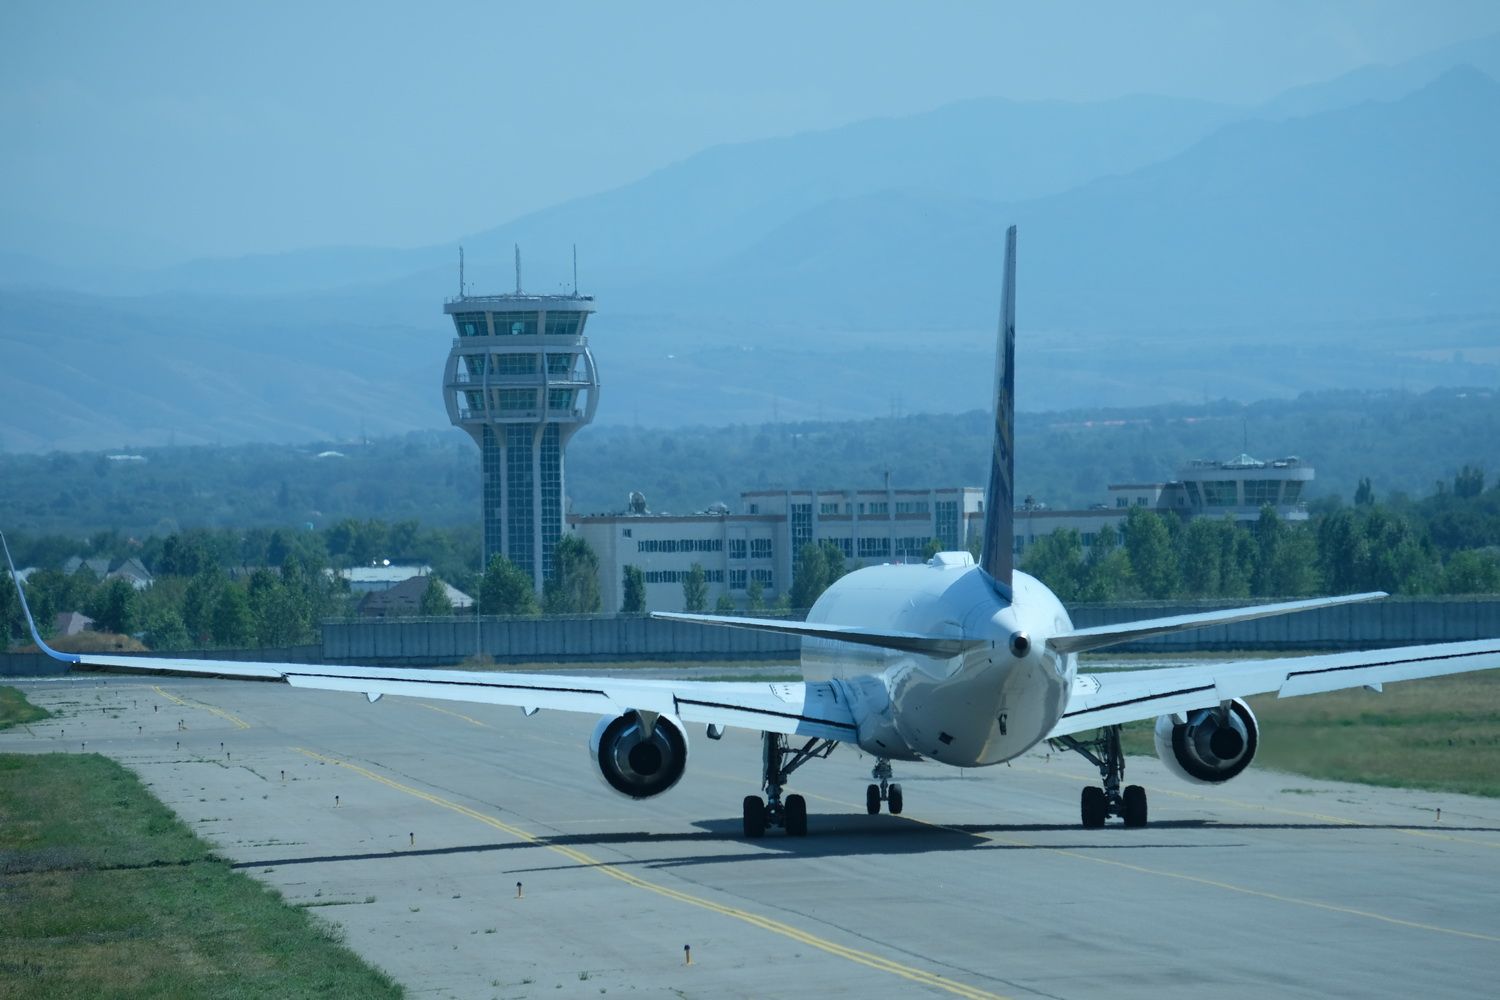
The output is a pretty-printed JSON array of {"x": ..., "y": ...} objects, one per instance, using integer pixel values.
[
  {"x": 623, "y": 638},
  {"x": 571, "y": 639}
]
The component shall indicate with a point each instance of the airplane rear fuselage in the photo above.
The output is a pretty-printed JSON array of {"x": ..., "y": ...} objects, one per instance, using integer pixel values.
[{"x": 982, "y": 706}]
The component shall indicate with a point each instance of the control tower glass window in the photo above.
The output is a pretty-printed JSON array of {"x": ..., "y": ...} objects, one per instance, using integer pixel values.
[
  {"x": 560, "y": 365},
  {"x": 515, "y": 364},
  {"x": 515, "y": 324},
  {"x": 520, "y": 527},
  {"x": 1220, "y": 493},
  {"x": 471, "y": 324},
  {"x": 1259, "y": 492},
  {"x": 563, "y": 324}
]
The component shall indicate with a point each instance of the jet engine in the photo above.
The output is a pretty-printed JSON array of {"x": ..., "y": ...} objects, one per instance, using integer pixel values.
[
  {"x": 639, "y": 754},
  {"x": 1214, "y": 745}
]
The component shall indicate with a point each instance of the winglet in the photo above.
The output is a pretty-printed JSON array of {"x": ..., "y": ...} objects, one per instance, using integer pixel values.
[
  {"x": 997, "y": 559},
  {"x": 26, "y": 610}
]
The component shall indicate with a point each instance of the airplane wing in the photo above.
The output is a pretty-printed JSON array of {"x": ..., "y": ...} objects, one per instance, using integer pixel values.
[
  {"x": 1083, "y": 639},
  {"x": 1116, "y": 697},
  {"x": 795, "y": 709},
  {"x": 910, "y": 642}
]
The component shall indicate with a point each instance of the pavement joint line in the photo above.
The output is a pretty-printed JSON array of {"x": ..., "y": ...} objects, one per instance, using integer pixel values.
[
  {"x": 1413, "y": 831},
  {"x": 456, "y": 715},
  {"x": 876, "y": 962},
  {"x": 1183, "y": 876},
  {"x": 1229, "y": 886},
  {"x": 190, "y": 703}
]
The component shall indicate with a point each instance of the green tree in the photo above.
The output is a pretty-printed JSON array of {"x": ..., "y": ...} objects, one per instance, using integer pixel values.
[
  {"x": 12, "y": 622},
  {"x": 233, "y": 620},
  {"x": 809, "y": 576},
  {"x": 1364, "y": 496},
  {"x": 282, "y": 614},
  {"x": 724, "y": 605},
  {"x": 435, "y": 601},
  {"x": 695, "y": 589},
  {"x": 1107, "y": 568},
  {"x": 164, "y": 629},
  {"x": 1472, "y": 572},
  {"x": 1153, "y": 562},
  {"x": 635, "y": 591},
  {"x": 932, "y": 548},
  {"x": 113, "y": 607},
  {"x": 574, "y": 587},
  {"x": 198, "y": 603},
  {"x": 1469, "y": 482},
  {"x": 1056, "y": 559},
  {"x": 506, "y": 589},
  {"x": 755, "y": 595}
]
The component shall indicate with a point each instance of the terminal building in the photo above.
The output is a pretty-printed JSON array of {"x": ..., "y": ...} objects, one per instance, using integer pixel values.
[
  {"x": 520, "y": 380},
  {"x": 1238, "y": 489},
  {"x": 760, "y": 542}
]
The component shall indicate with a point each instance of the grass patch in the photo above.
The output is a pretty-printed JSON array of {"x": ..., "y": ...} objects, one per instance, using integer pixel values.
[
  {"x": 1441, "y": 734},
  {"x": 15, "y": 710},
  {"x": 104, "y": 892}
]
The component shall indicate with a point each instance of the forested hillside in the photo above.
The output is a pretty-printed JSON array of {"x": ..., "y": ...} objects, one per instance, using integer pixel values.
[{"x": 1401, "y": 442}]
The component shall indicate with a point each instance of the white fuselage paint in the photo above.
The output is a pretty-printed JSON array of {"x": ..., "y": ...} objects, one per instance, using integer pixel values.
[{"x": 982, "y": 707}]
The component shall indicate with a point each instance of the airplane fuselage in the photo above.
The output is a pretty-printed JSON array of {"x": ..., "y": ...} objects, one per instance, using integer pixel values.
[{"x": 980, "y": 707}]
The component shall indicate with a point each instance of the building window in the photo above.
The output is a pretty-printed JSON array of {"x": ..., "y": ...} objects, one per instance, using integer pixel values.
[
  {"x": 513, "y": 364},
  {"x": 846, "y": 546},
  {"x": 910, "y": 507},
  {"x": 471, "y": 324},
  {"x": 760, "y": 548},
  {"x": 801, "y": 525},
  {"x": 947, "y": 524},
  {"x": 680, "y": 545},
  {"x": 828, "y": 508},
  {"x": 515, "y": 324},
  {"x": 765, "y": 577},
  {"x": 1140, "y": 501},
  {"x": 881, "y": 507},
  {"x": 737, "y": 579},
  {"x": 516, "y": 399},
  {"x": 560, "y": 400},
  {"x": 1259, "y": 492},
  {"x": 737, "y": 548},
  {"x": 1220, "y": 493},
  {"x": 520, "y": 514},
  {"x": 874, "y": 548},
  {"x": 625, "y": 532},
  {"x": 563, "y": 324},
  {"x": 755, "y": 508},
  {"x": 1121, "y": 502}
]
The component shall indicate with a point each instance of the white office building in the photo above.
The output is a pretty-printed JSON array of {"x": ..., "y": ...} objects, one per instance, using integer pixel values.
[{"x": 760, "y": 542}]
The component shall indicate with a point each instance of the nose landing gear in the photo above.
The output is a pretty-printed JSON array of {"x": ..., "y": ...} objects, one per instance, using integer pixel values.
[
  {"x": 885, "y": 791},
  {"x": 1098, "y": 804}
]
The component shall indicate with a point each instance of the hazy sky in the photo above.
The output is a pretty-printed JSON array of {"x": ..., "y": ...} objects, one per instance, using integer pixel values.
[{"x": 162, "y": 131}]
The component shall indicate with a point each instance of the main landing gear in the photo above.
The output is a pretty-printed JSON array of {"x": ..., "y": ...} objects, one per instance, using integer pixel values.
[
  {"x": 781, "y": 760},
  {"x": 1098, "y": 804},
  {"x": 885, "y": 791}
]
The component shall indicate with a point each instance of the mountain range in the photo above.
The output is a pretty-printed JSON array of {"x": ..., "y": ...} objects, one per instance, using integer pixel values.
[{"x": 1337, "y": 236}]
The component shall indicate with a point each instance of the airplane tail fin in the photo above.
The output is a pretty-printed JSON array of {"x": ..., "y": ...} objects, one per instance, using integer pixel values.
[
  {"x": 36, "y": 634},
  {"x": 997, "y": 559}
]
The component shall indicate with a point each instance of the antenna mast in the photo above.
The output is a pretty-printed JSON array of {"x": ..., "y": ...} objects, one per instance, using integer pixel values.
[
  {"x": 575, "y": 270},
  {"x": 518, "y": 269},
  {"x": 460, "y": 270}
]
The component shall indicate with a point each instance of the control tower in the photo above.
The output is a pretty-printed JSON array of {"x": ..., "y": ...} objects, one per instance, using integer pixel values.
[{"x": 521, "y": 381}]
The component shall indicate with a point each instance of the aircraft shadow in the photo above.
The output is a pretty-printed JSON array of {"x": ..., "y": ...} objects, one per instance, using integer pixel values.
[{"x": 853, "y": 836}]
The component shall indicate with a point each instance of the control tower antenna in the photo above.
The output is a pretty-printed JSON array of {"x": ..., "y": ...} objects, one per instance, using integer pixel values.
[
  {"x": 518, "y": 269},
  {"x": 460, "y": 271},
  {"x": 575, "y": 268}
]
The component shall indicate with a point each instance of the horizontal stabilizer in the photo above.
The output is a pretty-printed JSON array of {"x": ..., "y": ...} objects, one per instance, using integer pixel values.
[
  {"x": 1084, "y": 639},
  {"x": 908, "y": 642}
]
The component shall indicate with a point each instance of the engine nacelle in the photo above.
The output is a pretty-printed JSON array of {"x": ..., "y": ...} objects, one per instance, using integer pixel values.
[
  {"x": 639, "y": 756},
  {"x": 1212, "y": 746}
]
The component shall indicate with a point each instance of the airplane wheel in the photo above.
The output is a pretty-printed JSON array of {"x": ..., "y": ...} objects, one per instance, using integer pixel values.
[
  {"x": 872, "y": 799},
  {"x": 893, "y": 800},
  {"x": 796, "y": 816},
  {"x": 1135, "y": 805},
  {"x": 755, "y": 816},
  {"x": 1094, "y": 807}
]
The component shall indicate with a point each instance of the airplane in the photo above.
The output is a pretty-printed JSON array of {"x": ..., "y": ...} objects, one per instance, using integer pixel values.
[{"x": 963, "y": 663}]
